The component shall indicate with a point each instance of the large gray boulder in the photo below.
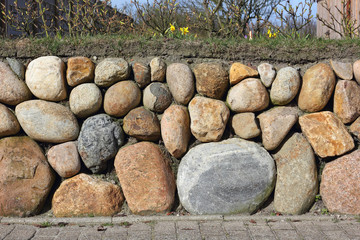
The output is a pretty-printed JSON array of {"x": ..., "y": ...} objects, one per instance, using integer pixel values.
[
  {"x": 100, "y": 138},
  {"x": 232, "y": 176}
]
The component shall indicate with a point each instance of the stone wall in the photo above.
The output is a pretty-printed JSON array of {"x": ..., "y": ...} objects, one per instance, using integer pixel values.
[{"x": 220, "y": 139}]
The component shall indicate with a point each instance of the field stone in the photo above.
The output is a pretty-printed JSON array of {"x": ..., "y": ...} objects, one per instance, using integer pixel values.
[
  {"x": 142, "y": 74},
  {"x": 239, "y": 71},
  {"x": 175, "y": 130},
  {"x": 47, "y": 121},
  {"x": 9, "y": 124},
  {"x": 356, "y": 68},
  {"x": 285, "y": 86},
  {"x": 142, "y": 124},
  {"x": 13, "y": 90},
  {"x": 249, "y": 95},
  {"x": 245, "y": 126},
  {"x": 45, "y": 77},
  {"x": 146, "y": 178},
  {"x": 84, "y": 195},
  {"x": 347, "y": 100},
  {"x": 317, "y": 87},
  {"x": 342, "y": 70},
  {"x": 64, "y": 159},
  {"x": 267, "y": 73},
  {"x": 275, "y": 124},
  {"x": 122, "y": 97},
  {"x": 212, "y": 80},
  {"x": 229, "y": 177},
  {"x": 26, "y": 178},
  {"x": 17, "y": 67},
  {"x": 99, "y": 140},
  {"x": 208, "y": 118},
  {"x": 158, "y": 70},
  {"x": 110, "y": 71},
  {"x": 296, "y": 183},
  {"x": 85, "y": 100},
  {"x": 79, "y": 70},
  {"x": 340, "y": 188},
  {"x": 355, "y": 128},
  {"x": 326, "y": 133},
  {"x": 157, "y": 97}
]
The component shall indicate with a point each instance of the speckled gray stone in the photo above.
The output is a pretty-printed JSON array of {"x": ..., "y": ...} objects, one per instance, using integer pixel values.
[
  {"x": 100, "y": 138},
  {"x": 17, "y": 67},
  {"x": 157, "y": 97},
  {"x": 232, "y": 176}
]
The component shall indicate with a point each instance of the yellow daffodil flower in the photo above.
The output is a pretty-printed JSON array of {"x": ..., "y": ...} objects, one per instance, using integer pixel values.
[
  {"x": 172, "y": 28},
  {"x": 184, "y": 30}
]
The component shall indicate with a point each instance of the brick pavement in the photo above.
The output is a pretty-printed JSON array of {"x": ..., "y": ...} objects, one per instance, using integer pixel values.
[{"x": 181, "y": 228}]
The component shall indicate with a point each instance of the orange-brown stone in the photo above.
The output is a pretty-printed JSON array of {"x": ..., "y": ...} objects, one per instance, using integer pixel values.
[
  {"x": 146, "y": 178},
  {"x": 340, "y": 188},
  {"x": 84, "y": 195},
  {"x": 175, "y": 130},
  {"x": 25, "y": 177},
  {"x": 317, "y": 88},
  {"x": 240, "y": 71},
  {"x": 347, "y": 100},
  {"x": 79, "y": 70},
  {"x": 326, "y": 133}
]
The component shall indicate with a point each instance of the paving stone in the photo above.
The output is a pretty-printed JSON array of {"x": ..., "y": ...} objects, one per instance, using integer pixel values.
[
  {"x": 68, "y": 235},
  {"x": 165, "y": 237},
  {"x": 287, "y": 234},
  {"x": 336, "y": 235},
  {"x": 46, "y": 232},
  {"x": 139, "y": 227},
  {"x": 310, "y": 232},
  {"x": 165, "y": 228},
  {"x": 90, "y": 235},
  {"x": 243, "y": 235},
  {"x": 43, "y": 238},
  {"x": 21, "y": 233},
  {"x": 327, "y": 226},
  {"x": 212, "y": 228},
  {"x": 5, "y": 230},
  {"x": 281, "y": 225},
  {"x": 353, "y": 230},
  {"x": 210, "y": 237},
  {"x": 234, "y": 226},
  {"x": 139, "y": 236},
  {"x": 261, "y": 231}
]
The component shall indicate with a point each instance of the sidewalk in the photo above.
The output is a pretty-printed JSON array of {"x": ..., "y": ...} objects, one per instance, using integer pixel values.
[{"x": 181, "y": 227}]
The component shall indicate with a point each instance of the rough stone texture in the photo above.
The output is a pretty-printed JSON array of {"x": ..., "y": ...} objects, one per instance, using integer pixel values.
[
  {"x": 355, "y": 128},
  {"x": 326, "y": 133},
  {"x": 99, "y": 140},
  {"x": 110, "y": 71},
  {"x": 275, "y": 124},
  {"x": 267, "y": 73},
  {"x": 233, "y": 176},
  {"x": 9, "y": 124},
  {"x": 249, "y": 95},
  {"x": 340, "y": 188},
  {"x": 142, "y": 74},
  {"x": 181, "y": 82},
  {"x": 245, "y": 126},
  {"x": 239, "y": 72},
  {"x": 47, "y": 121},
  {"x": 296, "y": 183},
  {"x": 285, "y": 86},
  {"x": 212, "y": 80},
  {"x": 342, "y": 70},
  {"x": 208, "y": 118},
  {"x": 347, "y": 100},
  {"x": 85, "y": 100},
  {"x": 356, "y": 68},
  {"x": 25, "y": 177},
  {"x": 146, "y": 178},
  {"x": 317, "y": 88},
  {"x": 157, "y": 97},
  {"x": 17, "y": 67},
  {"x": 84, "y": 195},
  {"x": 121, "y": 98},
  {"x": 79, "y": 70},
  {"x": 45, "y": 77},
  {"x": 175, "y": 130},
  {"x": 142, "y": 124},
  {"x": 158, "y": 70},
  {"x": 64, "y": 159},
  {"x": 13, "y": 91}
]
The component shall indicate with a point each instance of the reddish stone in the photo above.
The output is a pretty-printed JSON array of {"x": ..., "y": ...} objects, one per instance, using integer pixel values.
[
  {"x": 347, "y": 100},
  {"x": 240, "y": 71},
  {"x": 79, "y": 70},
  {"x": 146, "y": 178},
  {"x": 340, "y": 188},
  {"x": 142, "y": 74}
]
